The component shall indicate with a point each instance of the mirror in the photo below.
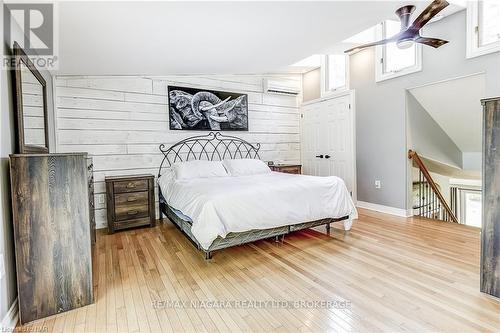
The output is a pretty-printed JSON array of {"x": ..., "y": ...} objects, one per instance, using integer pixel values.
[{"x": 31, "y": 99}]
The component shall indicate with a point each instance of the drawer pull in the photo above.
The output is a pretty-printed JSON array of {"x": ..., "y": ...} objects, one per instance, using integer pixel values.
[
  {"x": 130, "y": 185},
  {"x": 131, "y": 199},
  {"x": 133, "y": 212}
]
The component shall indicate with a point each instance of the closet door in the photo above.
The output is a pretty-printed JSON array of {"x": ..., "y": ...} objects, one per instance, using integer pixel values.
[
  {"x": 311, "y": 141},
  {"x": 327, "y": 136}
]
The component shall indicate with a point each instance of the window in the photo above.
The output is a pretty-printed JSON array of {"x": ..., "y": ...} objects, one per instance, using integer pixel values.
[
  {"x": 470, "y": 207},
  {"x": 483, "y": 28},
  {"x": 393, "y": 61},
  {"x": 335, "y": 73}
]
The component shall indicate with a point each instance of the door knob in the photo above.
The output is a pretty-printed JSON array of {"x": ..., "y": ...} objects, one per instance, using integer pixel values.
[
  {"x": 319, "y": 156},
  {"x": 327, "y": 156}
]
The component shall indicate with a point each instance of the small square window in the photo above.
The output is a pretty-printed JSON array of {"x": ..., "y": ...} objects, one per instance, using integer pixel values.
[
  {"x": 488, "y": 22},
  {"x": 483, "y": 28},
  {"x": 393, "y": 61},
  {"x": 396, "y": 59},
  {"x": 336, "y": 71}
]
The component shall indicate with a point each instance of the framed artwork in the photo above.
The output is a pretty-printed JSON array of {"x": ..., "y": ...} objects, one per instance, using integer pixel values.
[{"x": 201, "y": 109}]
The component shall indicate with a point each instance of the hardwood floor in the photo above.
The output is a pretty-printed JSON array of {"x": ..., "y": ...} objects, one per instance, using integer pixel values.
[{"x": 393, "y": 274}]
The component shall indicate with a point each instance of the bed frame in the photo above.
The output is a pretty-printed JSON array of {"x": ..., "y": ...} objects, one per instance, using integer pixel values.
[{"x": 216, "y": 147}]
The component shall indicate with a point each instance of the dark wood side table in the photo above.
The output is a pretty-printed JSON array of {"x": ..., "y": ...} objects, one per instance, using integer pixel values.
[
  {"x": 287, "y": 168},
  {"x": 130, "y": 201}
]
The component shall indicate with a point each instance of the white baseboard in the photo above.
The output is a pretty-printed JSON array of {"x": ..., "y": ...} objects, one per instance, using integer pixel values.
[
  {"x": 384, "y": 209},
  {"x": 10, "y": 320}
]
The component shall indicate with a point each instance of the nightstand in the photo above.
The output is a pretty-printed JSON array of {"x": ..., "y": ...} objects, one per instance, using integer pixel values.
[
  {"x": 130, "y": 202},
  {"x": 287, "y": 168}
]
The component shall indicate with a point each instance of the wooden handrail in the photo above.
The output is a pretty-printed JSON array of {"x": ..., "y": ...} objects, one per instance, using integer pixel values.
[{"x": 412, "y": 155}]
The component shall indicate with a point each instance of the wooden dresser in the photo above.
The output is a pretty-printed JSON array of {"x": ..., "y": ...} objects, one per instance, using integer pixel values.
[
  {"x": 287, "y": 168},
  {"x": 51, "y": 214},
  {"x": 130, "y": 201},
  {"x": 490, "y": 234},
  {"x": 90, "y": 177}
]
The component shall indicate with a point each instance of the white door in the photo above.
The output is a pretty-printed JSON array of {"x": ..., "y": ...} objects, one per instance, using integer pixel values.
[{"x": 327, "y": 136}]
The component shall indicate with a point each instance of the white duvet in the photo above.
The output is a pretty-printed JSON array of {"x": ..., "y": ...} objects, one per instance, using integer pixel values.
[{"x": 220, "y": 205}]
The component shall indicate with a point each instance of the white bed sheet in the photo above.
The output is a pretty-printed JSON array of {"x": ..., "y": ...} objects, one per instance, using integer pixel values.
[{"x": 220, "y": 205}]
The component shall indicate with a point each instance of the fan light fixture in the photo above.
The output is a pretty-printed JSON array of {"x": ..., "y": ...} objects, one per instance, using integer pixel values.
[{"x": 410, "y": 34}]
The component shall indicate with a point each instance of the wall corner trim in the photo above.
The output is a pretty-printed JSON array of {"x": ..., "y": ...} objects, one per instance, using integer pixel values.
[
  {"x": 384, "y": 209},
  {"x": 11, "y": 318}
]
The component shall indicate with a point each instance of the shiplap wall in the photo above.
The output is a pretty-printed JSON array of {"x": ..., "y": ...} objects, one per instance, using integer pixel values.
[{"x": 121, "y": 121}]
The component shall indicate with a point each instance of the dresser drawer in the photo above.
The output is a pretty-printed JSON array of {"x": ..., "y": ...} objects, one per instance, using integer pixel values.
[{"x": 131, "y": 186}]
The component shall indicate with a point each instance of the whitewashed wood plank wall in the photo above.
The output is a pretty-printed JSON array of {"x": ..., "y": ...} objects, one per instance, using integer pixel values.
[{"x": 121, "y": 121}]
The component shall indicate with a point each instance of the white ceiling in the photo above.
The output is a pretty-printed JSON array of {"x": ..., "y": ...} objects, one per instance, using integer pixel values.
[
  {"x": 160, "y": 38},
  {"x": 455, "y": 106}
]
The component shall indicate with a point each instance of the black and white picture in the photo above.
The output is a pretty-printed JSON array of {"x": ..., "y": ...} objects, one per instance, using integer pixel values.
[{"x": 196, "y": 109}]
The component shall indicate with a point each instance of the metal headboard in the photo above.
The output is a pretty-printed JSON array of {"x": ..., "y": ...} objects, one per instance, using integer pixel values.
[{"x": 213, "y": 146}]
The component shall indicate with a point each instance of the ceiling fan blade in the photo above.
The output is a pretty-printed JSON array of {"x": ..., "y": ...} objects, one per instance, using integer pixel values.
[
  {"x": 432, "y": 10},
  {"x": 364, "y": 46},
  {"x": 434, "y": 42}
]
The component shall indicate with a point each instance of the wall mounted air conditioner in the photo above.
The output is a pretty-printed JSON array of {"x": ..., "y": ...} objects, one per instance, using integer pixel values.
[{"x": 282, "y": 87}]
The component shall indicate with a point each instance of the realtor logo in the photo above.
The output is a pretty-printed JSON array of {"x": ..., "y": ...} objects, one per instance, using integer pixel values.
[{"x": 31, "y": 25}]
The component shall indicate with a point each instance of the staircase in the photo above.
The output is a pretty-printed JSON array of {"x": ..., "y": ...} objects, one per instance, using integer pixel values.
[{"x": 431, "y": 203}]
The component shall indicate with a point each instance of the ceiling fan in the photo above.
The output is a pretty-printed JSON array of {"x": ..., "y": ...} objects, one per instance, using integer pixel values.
[{"x": 410, "y": 34}]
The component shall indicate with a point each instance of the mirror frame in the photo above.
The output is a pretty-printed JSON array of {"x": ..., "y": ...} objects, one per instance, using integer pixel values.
[{"x": 22, "y": 148}]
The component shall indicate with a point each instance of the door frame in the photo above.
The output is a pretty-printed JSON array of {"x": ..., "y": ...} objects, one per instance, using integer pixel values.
[{"x": 352, "y": 101}]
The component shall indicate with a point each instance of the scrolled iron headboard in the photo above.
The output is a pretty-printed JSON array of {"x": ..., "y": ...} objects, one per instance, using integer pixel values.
[{"x": 213, "y": 146}]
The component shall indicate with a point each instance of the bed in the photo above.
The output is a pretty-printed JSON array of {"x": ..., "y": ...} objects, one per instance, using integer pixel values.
[{"x": 220, "y": 212}]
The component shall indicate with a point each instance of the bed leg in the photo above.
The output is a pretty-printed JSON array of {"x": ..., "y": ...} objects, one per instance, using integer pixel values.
[
  {"x": 328, "y": 227},
  {"x": 348, "y": 224},
  {"x": 276, "y": 239},
  {"x": 208, "y": 255}
]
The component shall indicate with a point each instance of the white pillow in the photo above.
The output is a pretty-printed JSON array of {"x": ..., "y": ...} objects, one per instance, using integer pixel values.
[
  {"x": 199, "y": 169},
  {"x": 245, "y": 167}
]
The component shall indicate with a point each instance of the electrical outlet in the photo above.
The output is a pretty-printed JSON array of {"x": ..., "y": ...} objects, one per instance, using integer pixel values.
[
  {"x": 2, "y": 266},
  {"x": 101, "y": 199},
  {"x": 378, "y": 184}
]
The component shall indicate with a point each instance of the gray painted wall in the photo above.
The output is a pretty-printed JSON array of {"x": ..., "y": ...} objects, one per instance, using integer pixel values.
[
  {"x": 381, "y": 108},
  {"x": 427, "y": 138},
  {"x": 472, "y": 161},
  {"x": 8, "y": 289}
]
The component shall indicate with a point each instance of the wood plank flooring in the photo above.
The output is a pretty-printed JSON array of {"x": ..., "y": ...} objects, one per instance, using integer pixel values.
[{"x": 387, "y": 274}]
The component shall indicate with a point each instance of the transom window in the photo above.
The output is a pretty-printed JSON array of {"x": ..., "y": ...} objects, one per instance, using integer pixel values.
[
  {"x": 483, "y": 27},
  {"x": 334, "y": 73},
  {"x": 337, "y": 72},
  {"x": 488, "y": 29},
  {"x": 392, "y": 61}
]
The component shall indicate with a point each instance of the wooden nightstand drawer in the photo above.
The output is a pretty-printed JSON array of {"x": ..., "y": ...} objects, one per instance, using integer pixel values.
[
  {"x": 130, "y": 186},
  {"x": 131, "y": 212},
  {"x": 130, "y": 206},
  {"x": 130, "y": 201},
  {"x": 286, "y": 168}
]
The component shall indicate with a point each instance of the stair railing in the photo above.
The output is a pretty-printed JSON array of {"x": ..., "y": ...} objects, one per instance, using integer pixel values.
[{"x": 435, "y": 206}]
